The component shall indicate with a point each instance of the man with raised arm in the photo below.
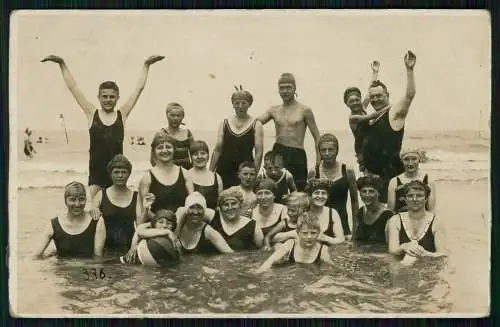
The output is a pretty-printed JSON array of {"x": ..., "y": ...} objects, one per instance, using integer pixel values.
[
  {"x": 384, "y": 137},
  {"x": 106, "y": 125},
  {"x": 291, "y": 120},
  {"x": 359, "y": 119}
]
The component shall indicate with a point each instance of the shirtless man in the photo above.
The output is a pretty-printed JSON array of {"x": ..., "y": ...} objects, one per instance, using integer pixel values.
[
  {"x": 106, "y": 125},
  {"x": 291, "y": 120},
  {"x": 384, "y": 137}
]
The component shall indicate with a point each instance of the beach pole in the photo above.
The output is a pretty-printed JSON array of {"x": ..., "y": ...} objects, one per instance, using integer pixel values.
[{"x": 61, "y": 116}]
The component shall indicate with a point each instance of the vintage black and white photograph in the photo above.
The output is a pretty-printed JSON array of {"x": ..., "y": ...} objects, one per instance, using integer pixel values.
[{"x": 259, "y": 163}]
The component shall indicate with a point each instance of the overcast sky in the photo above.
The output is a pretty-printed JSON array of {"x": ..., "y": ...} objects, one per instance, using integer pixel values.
[{"x": 208, "y": 52}]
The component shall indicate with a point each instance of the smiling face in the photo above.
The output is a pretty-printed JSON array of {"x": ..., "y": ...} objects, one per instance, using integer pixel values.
[
  {"x": 379, "y": 98},
  {"x": 265, "y": 198},
  {"x": 200, "y": 158},
  {"x": 195, "y": 214},
  {"x": 319, "y": 197},
  {"x": 230, "y": 209},
  {"x": 175, "y": 117},
  {"x": 164, "y": 152},
  {"x": 415, "y": 199},
  {"x": 108, "y": 99},
  {"x": 411, "y": 162},
  {"x": 76, "y": 203},
  {"x": 287, "y": 91},
  {"x": 369, "y": 195},
  {"x": 120, "y": 176},
  {"x": 353, "y": 101}
]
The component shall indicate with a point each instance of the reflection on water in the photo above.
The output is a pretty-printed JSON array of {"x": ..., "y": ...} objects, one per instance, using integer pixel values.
[{"x": 363, "y": 281}]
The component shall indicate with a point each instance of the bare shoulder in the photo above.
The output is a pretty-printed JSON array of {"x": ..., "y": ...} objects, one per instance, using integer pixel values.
[{"x": 274, "y": 109}]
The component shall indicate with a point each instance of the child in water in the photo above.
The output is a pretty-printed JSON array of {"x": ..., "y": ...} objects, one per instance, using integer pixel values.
[
  {"x": 273, "y": 169},
  {"x": 296, "y": 203},
  {"x": 305, "y": 248},
  {"x": 163, "y": 224}
]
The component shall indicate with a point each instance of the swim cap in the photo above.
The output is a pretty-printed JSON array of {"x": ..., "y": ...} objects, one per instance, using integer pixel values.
[
  {"x": 370, "y": 180},
  {"x": 328, "y": 138},
  {"x": 287, "y": 78},
  {"x": 195, "y": 198},
  {"x": 241, "y": 94},
  {"x": 119, "y": 161},
  {"x": 158, "y": 139},
  {"x": 230, "y": 193},
  {"x": 405, "y": 152},
  {"x": 317, "y": 184},
  {"x": 174, "y": 105},
  {"x": 265, "y": 184},
  {"x": 74, "y": 188},
  {"x": 349, "y": 91}
]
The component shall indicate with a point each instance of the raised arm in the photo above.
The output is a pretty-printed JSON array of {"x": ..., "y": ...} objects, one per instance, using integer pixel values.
[
  {"x": 47, "y": 235},
  {"x": 391, "y": 195},
  {"x": 127, "y": 107},
  {"x": 432, "y": 197},
  {"x": 217, "y": 240},
  {"x": 375, "y": 69},
  {"x": 399, "y": 111},
  {"x": 218, "y": 148},
  {"x": 100, "y": 238},
  {"x": 188, "y": 181},
  {"x": 145, "y": 199},
  {"x": 311, "y": 124},
  {"x": 259, "y": 144},
  {"x": 356, "y": 119},
  {"x": 87, "y": 107},
  {"x": 353, "y": 191}
]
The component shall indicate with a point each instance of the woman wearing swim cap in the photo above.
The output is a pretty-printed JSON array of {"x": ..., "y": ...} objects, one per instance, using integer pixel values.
[
  {"x": 342, "y": 179},
  {"x": 331, "y": 225},
  {"x": 241, "y": 233},
  {"x": 194, "y": 234},
  {"x": 75, "y": 233},
  {"x": 182, "y": 137},
  {"x": 238, "y": 139},
  {"x": 208, "y": 183},
  {"x": 370, "y": 224},
  {"x": 267, "y": 213},
  {"x": 119, "y": 206},
  {"x": 411, "y": 159},
  {"x": 417, "y": 232},
  {"x": 166, "y": 185}
]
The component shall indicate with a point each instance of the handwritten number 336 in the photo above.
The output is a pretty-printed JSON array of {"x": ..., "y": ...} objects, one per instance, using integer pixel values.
[{"x": 94, "y": 273}]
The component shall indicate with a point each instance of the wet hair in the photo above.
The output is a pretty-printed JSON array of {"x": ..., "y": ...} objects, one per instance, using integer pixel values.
[
  {"x": 119, "y": 161},
  {"x": 377, "y": 83},
  {"x": 417, "y": 185},
  {"x": 328, "y": 138},
  {"x": 272, "y": 157},
  {"x": 349, "y": 91},
  {"x": 109, "y": 85},
  {"x": 232, "y": 192},
  {"x": 301, "y": 198},
  {"x": 74, "y": 187},
  {"x": 242, "y": 94},
  {"x": 198, "y": 146},
  {"x": 307, "y": 219},
  {"x": 317, "y": 184},
  {"x": 246, "y": 164},
  {"x": 169, "y": 215},
  {"x": 287, "y": 78},
  {"x": 370, "y": 180},
  {"x": 158, "y": 139},
  {"x": 266, "y": 184}
]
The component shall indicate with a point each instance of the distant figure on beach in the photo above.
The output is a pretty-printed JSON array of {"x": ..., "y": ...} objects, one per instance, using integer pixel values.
[
  {"x": 238, "y": 139},
  {"x": 383, "y": 140},
  {"x": 75, "y": 234},
  {"x": 182, "y": 136},
  {"x": 29, "y": 149},
  {"x": 359, "y": 119},
  {"x": 291, "y": 118},
  {"x": 106, "y": 125},
  {"x": 411, "y": 159}
]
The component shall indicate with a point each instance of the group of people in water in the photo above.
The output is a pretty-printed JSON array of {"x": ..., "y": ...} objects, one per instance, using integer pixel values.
[{"x": 191, "y": 202}]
